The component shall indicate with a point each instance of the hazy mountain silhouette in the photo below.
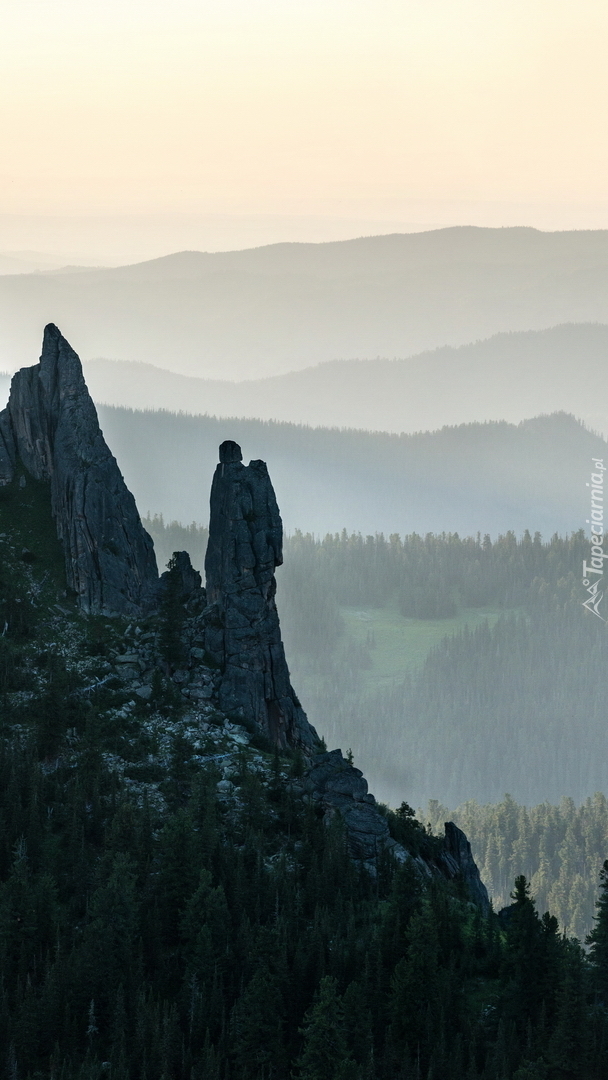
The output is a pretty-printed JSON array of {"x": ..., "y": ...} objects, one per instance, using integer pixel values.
[
  {"x": 477, "y": 477},
  {"x": 507, "y": 377},
  {"x": 268, "y": 310}
]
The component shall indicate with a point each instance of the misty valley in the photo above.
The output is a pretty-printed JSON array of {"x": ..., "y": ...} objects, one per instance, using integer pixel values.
[
  {"x": 348, "y": 821},
  {"x": 303, "y": 540}
]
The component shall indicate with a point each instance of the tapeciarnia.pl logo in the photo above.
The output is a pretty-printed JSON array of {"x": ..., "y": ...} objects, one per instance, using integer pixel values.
[{"x": 593, "y": 571}]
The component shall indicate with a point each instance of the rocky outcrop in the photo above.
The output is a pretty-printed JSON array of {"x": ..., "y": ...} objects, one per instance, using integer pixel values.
[
  {"x": 243, "y": 635},
  {"x": 185, "y": 582},
  {"x": 335, "y": 786},
  {"x": 457, "y": 862},
  {"x": 50, "y": 429}
]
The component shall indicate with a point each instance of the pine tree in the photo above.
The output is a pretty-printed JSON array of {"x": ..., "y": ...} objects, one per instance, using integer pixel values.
[
  {"x": 256, "y": 1028},
  {"x": 598, "y": 938},
  {"x": 569, "y": 1043},
  {"x": 325, "y": 1054}
]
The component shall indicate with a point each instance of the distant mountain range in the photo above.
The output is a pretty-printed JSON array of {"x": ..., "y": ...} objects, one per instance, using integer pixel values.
[
  {"x": 270, "y": 310},
  {"x": 484, "y": 478},
  {"x": 507, "y": 377},
  {"x": 29, "y": 262}
]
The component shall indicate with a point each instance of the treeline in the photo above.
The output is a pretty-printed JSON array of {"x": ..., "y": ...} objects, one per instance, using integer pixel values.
[
  {"x": 560, "y": 849},
  {"x": 429, "y": 577},
  {"x": 517, "y": 703},
  {"x": 434, "y": 576},
  {"x": 153, "y": 929}
]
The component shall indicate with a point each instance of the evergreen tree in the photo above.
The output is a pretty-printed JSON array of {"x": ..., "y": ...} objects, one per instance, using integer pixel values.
[
  {"x": 325, "y": 1053},
  {"x": 598, "y": 938}
]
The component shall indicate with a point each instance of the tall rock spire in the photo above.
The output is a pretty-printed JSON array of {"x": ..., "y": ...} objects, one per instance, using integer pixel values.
[
  {"x": 50, "y": 427},
  {"x": 244, "y": 636}
]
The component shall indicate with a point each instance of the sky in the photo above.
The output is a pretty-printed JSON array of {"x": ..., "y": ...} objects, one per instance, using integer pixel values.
[{"x": 133, "y": 128}]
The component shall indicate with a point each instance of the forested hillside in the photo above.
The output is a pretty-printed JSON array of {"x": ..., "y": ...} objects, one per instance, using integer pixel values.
[
  {"x": 454, "y": 668},
  {"x": 532, "y": 373},
  {"x": 172, "y": 909},
  {"x": 560, "y": 849},
  {"x": 476, "y": 477}
]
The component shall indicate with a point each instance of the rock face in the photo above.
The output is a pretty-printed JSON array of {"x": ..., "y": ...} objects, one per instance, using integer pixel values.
[
  {"x": 458, "y": 862},
  {"x": 243, "y": 635},
  {"x": 337, "y": 787},
  {"x": 50, "y": 428}
]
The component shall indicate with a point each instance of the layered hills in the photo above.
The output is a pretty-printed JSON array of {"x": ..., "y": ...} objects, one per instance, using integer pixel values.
[
  {"x": 486, "y": 478},
  {"x": 269, "y": 310},
  {"x": 507, "y": 377},
  {"x": 191, "y": 888}
]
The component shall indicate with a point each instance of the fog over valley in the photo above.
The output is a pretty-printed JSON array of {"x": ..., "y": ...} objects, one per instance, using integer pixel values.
[
  {"x": 510, "y": 377},
  {"x": 303, "y": 540},
  {"x": 271, "y": 310}
]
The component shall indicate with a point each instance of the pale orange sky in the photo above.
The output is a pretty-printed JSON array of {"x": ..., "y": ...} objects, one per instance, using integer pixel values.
[{"x": 254, "y": 117}]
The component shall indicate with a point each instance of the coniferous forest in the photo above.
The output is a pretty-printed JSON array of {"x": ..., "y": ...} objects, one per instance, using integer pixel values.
[
  {"x": 170, "y": 908},
  {"x": 508, "y": 688},
  {"x": 509, "y": 697}
]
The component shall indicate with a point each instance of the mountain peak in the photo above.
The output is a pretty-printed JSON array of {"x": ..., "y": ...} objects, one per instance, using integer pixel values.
[{"x": 50, "y": 431}]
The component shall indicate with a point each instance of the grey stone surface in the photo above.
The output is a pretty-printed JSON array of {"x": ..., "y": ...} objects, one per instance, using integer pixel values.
[
  {"x": 337, "y": 787},
  {"x": 242, "y": 632},
  {"x": 50, "y": 427},
  {"x": 458, "y": 862}
]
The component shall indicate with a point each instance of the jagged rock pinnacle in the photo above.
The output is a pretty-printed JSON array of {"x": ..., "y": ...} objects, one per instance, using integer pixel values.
[
  {"x": 243, "y": 634},
  {"x": 50, "y": 427}
]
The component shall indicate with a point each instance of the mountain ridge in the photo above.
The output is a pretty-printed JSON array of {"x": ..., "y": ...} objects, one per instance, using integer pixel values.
[
  {"x": 272, "y": 309},
  {"x": 532, "y": 372},
  {"x": 470, "y": 478}
]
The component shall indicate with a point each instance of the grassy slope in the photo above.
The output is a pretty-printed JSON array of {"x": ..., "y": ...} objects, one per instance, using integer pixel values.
[{"x": 401, "y": 645}]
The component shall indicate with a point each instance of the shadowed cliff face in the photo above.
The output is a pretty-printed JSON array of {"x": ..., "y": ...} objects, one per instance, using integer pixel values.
[
  {"x": 243, "y": 634},
  {"x": 50, "y": 427}
]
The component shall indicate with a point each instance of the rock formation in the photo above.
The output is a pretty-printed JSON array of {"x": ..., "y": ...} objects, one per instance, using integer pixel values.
[
  {"x": 229, "y": 650},
  {"x": 337, "y": 787},
  {"x": 243, "y": 635},
  {"x": 186, "y": 581},
  {"x": 458, "y": 862},
  {"x": 50, "y": 429}
]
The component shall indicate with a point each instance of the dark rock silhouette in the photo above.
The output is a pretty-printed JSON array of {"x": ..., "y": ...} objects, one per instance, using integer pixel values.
[
  {"x": 50, "y": 428},
  {"x": 243, "y": 635},
  {"x": 335, "y": 786},
  {"x": 457, "y": 862},
  {"x": 187, "y": 583}
]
